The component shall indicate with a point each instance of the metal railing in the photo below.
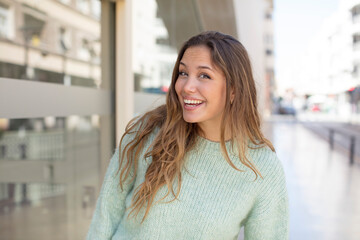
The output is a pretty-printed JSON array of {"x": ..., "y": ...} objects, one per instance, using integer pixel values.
[{"x": 352, "y": 137}]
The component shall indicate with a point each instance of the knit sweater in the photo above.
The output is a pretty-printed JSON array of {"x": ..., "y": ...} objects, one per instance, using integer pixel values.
[{"x": 215, "y": 200}]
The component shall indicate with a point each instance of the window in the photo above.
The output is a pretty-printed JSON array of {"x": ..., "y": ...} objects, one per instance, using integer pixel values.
[
  {"x": 84, "y": 49},
  {"x": 36, "y": 157},
  {"x": 55, "y": 140},
  {"x": 154, "y": 49},
  {"x": 33, "y": 29},
  {"x": 83, "y": 6},
  {"x": 269, "y": 52},
  {"x": 268, "y": 15},
  {"x": 355, "y": 71},
  {"x": 96, "y": 8},
  {"x": 356, "y": 38},
  {"x": 355, "y": 12},
  {"x": 356, "y": 41},
  {"x": 6, "y": 22},
  {"x": 3, "y": 187},
  {"x": 64, "y": 40},
  {"x": 65, "y": 1}
]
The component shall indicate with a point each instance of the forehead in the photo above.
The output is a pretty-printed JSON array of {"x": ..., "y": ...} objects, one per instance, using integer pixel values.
[{"x": 197, "y": 55}]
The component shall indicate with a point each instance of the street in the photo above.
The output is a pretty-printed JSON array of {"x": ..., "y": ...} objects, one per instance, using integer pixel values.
[{"x": 323, "y": 187}]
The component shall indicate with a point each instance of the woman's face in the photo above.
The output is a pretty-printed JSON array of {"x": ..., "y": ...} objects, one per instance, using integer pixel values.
[{"x": 201, "y": 88}]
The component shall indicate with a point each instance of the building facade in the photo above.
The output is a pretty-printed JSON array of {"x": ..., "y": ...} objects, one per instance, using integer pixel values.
[
  {"x": 73, "y": 73},
  {"x": 269, "y": 79},
  {"x": 330, "y": 67}
]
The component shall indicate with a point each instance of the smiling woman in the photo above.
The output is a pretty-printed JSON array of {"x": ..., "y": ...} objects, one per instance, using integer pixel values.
[
  {"x": 201, "y": 87},
  {"x": 205, "y": 148}
]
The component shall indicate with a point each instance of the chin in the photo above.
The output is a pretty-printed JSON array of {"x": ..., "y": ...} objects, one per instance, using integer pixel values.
[{"x": 189, "y": 120}]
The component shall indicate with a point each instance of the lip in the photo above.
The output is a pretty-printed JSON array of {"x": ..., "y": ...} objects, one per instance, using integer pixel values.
[
  {"x": 191, "y": 98},
  {"x": 192, "y": 108},
  {"x": 189, "y": 107}
]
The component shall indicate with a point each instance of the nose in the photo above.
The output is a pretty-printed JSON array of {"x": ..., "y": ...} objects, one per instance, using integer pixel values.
[{"x": 190, "y": 85}]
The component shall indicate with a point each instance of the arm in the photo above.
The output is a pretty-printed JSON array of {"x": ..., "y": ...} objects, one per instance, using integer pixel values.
[
  {"x": 110, "y": 205},
  {"x": 269, "y": 218}
]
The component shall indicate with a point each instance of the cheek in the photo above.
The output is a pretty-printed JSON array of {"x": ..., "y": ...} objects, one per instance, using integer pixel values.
[
  {"x": 221, "y": 96},
  {"x": 178, "y": 88},
  {"x": 219, "y": 93}
]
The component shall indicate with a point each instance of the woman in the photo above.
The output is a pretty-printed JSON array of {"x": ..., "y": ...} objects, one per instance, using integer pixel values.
[{"x": 197, "y": 167}]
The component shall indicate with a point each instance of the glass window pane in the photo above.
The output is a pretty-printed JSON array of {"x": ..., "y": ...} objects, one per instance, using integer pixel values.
[
  {"x": 51, "y": 168},
  {"x": 160, "y": 27},
  {"x": 57, "y": 42},
  {"x": 49, "y": 175}
]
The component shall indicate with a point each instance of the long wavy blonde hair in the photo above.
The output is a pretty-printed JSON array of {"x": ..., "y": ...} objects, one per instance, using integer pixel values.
[{"x": 176, "y": 137}]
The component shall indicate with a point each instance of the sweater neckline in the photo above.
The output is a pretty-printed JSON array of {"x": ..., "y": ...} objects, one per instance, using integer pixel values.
[
  {"x": 211, "y": 141},
  {"x": 213, "y": 147}
]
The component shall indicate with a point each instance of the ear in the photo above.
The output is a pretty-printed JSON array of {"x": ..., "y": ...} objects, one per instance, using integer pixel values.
[{"x": 232, "y": 95}]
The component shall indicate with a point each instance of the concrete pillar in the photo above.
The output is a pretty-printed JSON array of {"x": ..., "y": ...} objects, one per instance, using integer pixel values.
[{"x": 124, "y": 99}]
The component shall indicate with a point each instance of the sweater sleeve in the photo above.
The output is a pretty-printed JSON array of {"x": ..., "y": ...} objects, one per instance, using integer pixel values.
[
  {"x": 269, "y": 218},
  {"x": 110, "y": 205}
]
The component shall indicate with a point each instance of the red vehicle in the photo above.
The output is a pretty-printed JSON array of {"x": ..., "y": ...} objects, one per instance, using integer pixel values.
[{"x": 315, "y": 108}]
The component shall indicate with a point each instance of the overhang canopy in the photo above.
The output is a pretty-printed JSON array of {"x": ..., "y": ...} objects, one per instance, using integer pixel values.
[{"x": 185, "y": 18}]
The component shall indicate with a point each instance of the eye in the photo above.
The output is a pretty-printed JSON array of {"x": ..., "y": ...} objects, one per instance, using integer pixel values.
[
  {"x": 181, "y": 73},
  {"x": 203, "y": 75}
]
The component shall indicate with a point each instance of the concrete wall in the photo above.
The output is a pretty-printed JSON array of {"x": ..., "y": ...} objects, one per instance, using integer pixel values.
[
  {"x": 147, "y": 101},
  {"x": 250, "y": 27}
]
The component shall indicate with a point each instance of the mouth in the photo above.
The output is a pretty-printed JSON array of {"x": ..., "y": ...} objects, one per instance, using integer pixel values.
[{"x": 192, "y": 104}]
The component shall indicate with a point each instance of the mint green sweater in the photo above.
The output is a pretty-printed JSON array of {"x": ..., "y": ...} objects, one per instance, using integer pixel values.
[{"x": 215, "y": 200}]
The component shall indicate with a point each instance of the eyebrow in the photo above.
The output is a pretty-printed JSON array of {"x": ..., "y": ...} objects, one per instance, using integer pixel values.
[{"x": 206, "y": 67}]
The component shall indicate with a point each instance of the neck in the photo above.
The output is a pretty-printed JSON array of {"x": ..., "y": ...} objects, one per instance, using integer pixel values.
[{"x": 213, "y": 134}]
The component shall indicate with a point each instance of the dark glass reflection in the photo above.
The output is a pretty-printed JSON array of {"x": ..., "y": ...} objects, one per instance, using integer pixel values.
[{"x": 49, "y": 176}]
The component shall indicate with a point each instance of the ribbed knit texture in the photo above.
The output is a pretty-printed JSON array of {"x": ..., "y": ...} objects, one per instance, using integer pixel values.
[{"x": 215, "y": 200}]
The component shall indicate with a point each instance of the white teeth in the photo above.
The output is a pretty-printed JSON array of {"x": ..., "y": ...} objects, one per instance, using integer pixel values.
[{"x": 187, "y": 101}]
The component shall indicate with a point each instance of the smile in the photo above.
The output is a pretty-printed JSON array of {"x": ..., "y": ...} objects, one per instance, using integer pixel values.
[{"x": 192, "y": 104}]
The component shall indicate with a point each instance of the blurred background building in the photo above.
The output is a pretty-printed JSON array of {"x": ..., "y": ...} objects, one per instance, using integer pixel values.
[
  {"x": 74, "y": 72},
  {"x": 51, "y": 41},
  {"x": 325, "y": 77}
]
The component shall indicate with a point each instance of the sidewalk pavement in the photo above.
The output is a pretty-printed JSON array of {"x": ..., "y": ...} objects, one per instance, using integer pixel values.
[
  {"x": 324, "y": 189},
  {"x": 322, "y": 125},
  {"x": 343, "y": 135}
]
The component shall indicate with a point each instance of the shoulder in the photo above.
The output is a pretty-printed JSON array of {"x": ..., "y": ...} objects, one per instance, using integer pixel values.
[
  {"x": 270, "y": 168},
  {"x": 265, "y": 160}
]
